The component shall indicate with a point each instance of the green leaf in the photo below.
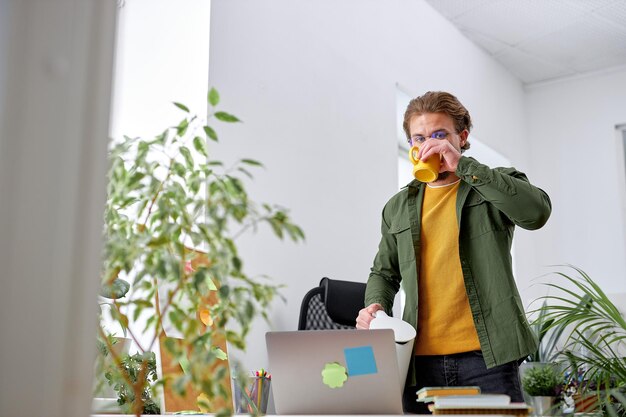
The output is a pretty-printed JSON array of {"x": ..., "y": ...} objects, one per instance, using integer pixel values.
[
  {"x": 176, "y": 318},
  {"x": 194, "y": 185},
  {"x": 182, "y": 107},
  {"x": 151, "y": 320},
  {"x": 137, "y": 313},
  {"x": 200, "y": 145},
  {"x": 276, "y": 227},
  {"x": 213, "y": 97},
  {"x": 210, "y": 133},
  {"x": 224, "y": 291},
  {"x": 184, "y": 363},
  {"x": 180, "y": 385},
  {"x": 237, "y": 263},
  {"x": 188, "y": 158},
  {"x": 162, "y": 138},
  {"x": 249, "y": 311},
  {"x": 203, "y": 404},
  {"x": 120, "y": 317},
  {"x": 181, "y": 129},
  {"x": 142, "y": 150},
  {"x": 226, "y": 117},
  {"x": 252, "y": 162},
  {"x": 224, "y": 412},
  {"x": 221, "y": 372},
  {"x": 219, "y": 353},
  {"x": 135, "y": 178},
  {"x": 117, "y": 289},
  {"x": 143, "y": 303},
  {"x": 158, "y": 241},
  {"x": 235, "y": 339},
  {"x": 295, "y": 233},
  {"x": 210, "y": 284},
  {"x": 245, "y": 171},
  {"x": 179, "y": 169},
  {"x": 198, "y": 278}
]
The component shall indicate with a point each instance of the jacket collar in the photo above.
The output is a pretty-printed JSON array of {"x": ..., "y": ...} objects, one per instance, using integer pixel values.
[{"x": 413, "y": 184}]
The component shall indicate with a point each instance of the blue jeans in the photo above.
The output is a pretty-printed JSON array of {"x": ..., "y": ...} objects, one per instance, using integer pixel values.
[{"x": 459, "y": 370}]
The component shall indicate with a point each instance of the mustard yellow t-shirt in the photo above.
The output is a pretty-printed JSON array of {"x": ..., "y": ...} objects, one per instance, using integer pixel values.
[{"x": 444, "y": 324}]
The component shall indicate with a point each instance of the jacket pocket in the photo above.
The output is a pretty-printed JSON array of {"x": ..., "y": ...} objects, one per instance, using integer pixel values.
[
  {"x": 480, "y": 217},
  {"x": 474, "y": 199},
  {"x": 404, "y": 242}
]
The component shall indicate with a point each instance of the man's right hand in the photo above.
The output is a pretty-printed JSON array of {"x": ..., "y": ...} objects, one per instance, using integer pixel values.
[{"x": 366, "y": 315}]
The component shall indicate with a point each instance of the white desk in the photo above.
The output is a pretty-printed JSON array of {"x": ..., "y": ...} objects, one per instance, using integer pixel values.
[{"x": 326, "y": 415}]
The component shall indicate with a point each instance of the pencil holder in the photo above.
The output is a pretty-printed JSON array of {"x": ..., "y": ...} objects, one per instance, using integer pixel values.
[{"x": 251, "y": 396}]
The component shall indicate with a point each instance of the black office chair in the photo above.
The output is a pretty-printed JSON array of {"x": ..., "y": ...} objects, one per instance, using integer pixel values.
[{"x": 334, "y": 304}]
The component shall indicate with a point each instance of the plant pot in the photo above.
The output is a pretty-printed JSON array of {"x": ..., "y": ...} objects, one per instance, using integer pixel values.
[
  {"x": 542, "y": 406},
  {"x": 529, "y": 368}
]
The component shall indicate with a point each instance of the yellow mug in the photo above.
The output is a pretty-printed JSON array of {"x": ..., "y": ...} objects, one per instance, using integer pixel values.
[{"x": 424, "y": 170}]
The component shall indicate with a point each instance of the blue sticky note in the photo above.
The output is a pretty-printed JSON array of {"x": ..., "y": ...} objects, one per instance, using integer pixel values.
[{"x": 360, "y": 360}]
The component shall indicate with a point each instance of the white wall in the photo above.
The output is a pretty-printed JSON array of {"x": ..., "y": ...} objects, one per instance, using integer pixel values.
[
  {"x": 315, "y": 83},
  {"x": 575, "y": 151}
]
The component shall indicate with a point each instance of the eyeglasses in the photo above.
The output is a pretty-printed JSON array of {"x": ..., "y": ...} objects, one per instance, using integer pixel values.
[{"x": 439, "y": 134}]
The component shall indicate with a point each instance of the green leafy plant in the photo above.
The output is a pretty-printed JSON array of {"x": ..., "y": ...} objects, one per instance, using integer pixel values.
[
  {"x": 595, "y": 337},
  {"x": 541, "y": 381},
  {"x": 132, "y": 367},
  {"x": 171, "y": 262}
]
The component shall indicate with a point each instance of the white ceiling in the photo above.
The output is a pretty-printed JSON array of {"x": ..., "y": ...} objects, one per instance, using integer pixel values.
[{"x": 541, "y": 40}]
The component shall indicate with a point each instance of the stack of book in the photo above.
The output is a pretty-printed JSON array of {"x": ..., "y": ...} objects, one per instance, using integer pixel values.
[
  {"x": 427, "y": 394},
  {"x": 462, "y": 400}
]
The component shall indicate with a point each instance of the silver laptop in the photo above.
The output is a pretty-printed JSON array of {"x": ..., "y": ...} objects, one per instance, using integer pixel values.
[{"x": 334, "y": 372}]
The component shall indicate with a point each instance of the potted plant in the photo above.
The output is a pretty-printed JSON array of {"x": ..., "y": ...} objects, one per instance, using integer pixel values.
[
  {"x": 171, "y": 264},
  {"x": 595, "y": 339},
  {"x": 542, "y": 384}
]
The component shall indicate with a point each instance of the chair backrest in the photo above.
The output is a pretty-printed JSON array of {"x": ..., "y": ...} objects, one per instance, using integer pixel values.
[{"x": 334, "y": 304}]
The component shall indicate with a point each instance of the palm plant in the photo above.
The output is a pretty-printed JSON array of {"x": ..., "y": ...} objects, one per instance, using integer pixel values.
[
  {"x": 548, "y": 336},
  {"x": 595, "y": 336}
]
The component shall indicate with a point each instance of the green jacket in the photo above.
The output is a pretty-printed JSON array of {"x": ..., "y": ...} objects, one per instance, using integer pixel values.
[{"x": 490, "y": 203}]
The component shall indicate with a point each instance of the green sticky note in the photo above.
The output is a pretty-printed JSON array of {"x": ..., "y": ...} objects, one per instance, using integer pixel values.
[{"x": 334, "y": 375}]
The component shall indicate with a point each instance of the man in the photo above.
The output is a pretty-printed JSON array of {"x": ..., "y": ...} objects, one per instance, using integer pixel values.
[{"x": 448, "y": 244}]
